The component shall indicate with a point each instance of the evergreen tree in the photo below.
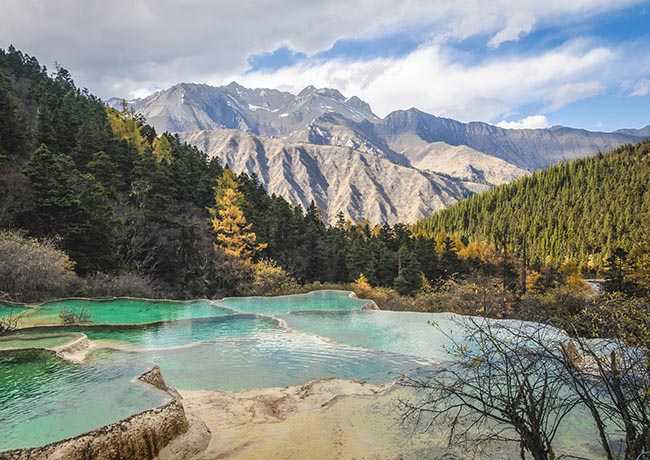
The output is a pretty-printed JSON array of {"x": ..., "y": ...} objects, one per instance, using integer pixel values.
[
  {"x": 56, "y": 209},
  {"x": 106, "y": 171},
  {"x": 95, "y": 245},
  {"x": 313, "y": 239},
  {"x": 409, "y": 278},
  {"x": 12, "y": 139},
  {"x": 582, "y": 210},
  {"x": 449, "y": 260}
]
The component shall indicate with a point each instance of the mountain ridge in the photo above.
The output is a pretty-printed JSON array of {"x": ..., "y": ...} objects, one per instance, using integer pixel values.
[{"x": 475, "y": 155}]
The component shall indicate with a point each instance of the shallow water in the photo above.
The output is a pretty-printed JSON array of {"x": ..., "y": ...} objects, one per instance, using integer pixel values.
[
  {"x": 24, "y": 340},
  {"x": 230, "y": 345},
  {"x": 262, "y": 359},
  {"x": 44, "y": 399},
  {"x": 10, "y": 309},
  {"x": 398, "y": 332},
  {"x": 124, "y": 311},
  {"x": 313, "y": 301}
]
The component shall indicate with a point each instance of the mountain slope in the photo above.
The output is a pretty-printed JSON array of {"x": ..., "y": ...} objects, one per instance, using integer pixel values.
[
  {"x": 361, "y": 185},
  {"x": 581, "y": 210},
  {"x": 643, "y": 132}
]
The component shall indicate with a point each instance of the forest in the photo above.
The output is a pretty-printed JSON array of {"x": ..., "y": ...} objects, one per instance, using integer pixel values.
[
  {"x": 94, "y": 202},
  {"x": 582, "y": 211},
  {"x": 137, "y": 213}
]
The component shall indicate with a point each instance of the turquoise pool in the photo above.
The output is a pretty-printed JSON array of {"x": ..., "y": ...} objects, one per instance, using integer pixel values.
[
  {"x": 124, "y": 311},
  {"x": 44, "y": 398},
  {"x": 230, "y": 345}
]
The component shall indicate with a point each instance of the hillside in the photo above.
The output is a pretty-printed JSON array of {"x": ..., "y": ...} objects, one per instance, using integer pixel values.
[
  {"x": 114, "y": 209},
  {"x": 121, "y": 202},
  {"x": 582, "y": 210}
]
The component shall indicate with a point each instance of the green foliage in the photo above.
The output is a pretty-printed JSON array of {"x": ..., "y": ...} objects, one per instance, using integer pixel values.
[
  {"x": 130, "y": 205},
  {"x": 55, "y": 201},
  {"x": 12, "y": 137},
  {"x": 582, "y": 210},
  {"x": 72, "y": 207}
]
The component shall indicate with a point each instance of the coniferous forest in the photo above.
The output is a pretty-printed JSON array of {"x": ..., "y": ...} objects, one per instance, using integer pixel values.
[
  {"x": 583, "y": 211},
  {"x": 137, "y": 213},
  {"x": 95, "y": 202}
]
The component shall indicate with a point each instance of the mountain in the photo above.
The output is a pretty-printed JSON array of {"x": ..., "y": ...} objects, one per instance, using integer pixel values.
[
  {"x": 582, "y": 210},
  {"x": 446, "y": 156},
  {"x": 269, "y": 112},
  {"x": 336, "y": 178},
  {"x": 524, "y": 148},
  {"x": 643, "y": 132}
]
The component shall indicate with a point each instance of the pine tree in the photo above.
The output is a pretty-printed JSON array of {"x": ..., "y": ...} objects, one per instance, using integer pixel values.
[
  {"x": 12, "y": 138},
  {"x": 56, "y": 208},
  {"x": 409, "y": 277},
  {"x": 313, "y": 239}
]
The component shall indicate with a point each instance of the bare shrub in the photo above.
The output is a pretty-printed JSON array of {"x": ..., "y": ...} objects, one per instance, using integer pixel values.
[
  {"x": 69, "y": 316},
  {"x": 505, "y": 385},
  {"x": 122, "y": 285},
  {"x": 478, "y": 295},
  {"x": 9, "y": 323},
  {"x": 32, "y": 270}
]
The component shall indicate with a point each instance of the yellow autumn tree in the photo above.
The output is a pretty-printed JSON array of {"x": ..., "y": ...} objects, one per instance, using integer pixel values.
[
  {"x": 162, "y": 150},
  {"x": 233, "y": 232},
  {"x": 126, "y": 125},
  {"x": 361, "y": 285}
]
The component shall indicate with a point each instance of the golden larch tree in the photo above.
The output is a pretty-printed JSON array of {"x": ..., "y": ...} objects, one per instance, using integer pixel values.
[{"x": 233, "y": 232}]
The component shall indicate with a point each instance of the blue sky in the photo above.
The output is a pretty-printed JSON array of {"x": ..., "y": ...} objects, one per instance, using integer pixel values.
[
  {"x": 611, "y": 105},
  {"x": 517, "y": 63}
]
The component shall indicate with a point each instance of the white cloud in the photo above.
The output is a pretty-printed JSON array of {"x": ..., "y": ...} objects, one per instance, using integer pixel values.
[
  {"x": 530, "y": 122},
  {"x": 139, "y": 43},
  {"x": 432, "y": 80},
  {"x": 641, "y": 88},
  {"x": 571, "y": 92},
  {"x": 517, "y": 25}
]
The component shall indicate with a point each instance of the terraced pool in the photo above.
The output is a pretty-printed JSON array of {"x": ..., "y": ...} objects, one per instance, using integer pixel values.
[{"x": 230, "y": 345}]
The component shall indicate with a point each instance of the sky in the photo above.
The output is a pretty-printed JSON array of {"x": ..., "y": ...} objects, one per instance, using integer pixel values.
[{"x": 513, "y": 63}]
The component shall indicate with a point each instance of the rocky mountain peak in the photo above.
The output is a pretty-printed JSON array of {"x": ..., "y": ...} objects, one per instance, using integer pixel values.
[
  {"x": 330, "y": 93},
  {"x": 307, "y": 91},
  {"x": 269, "y": 112}
]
